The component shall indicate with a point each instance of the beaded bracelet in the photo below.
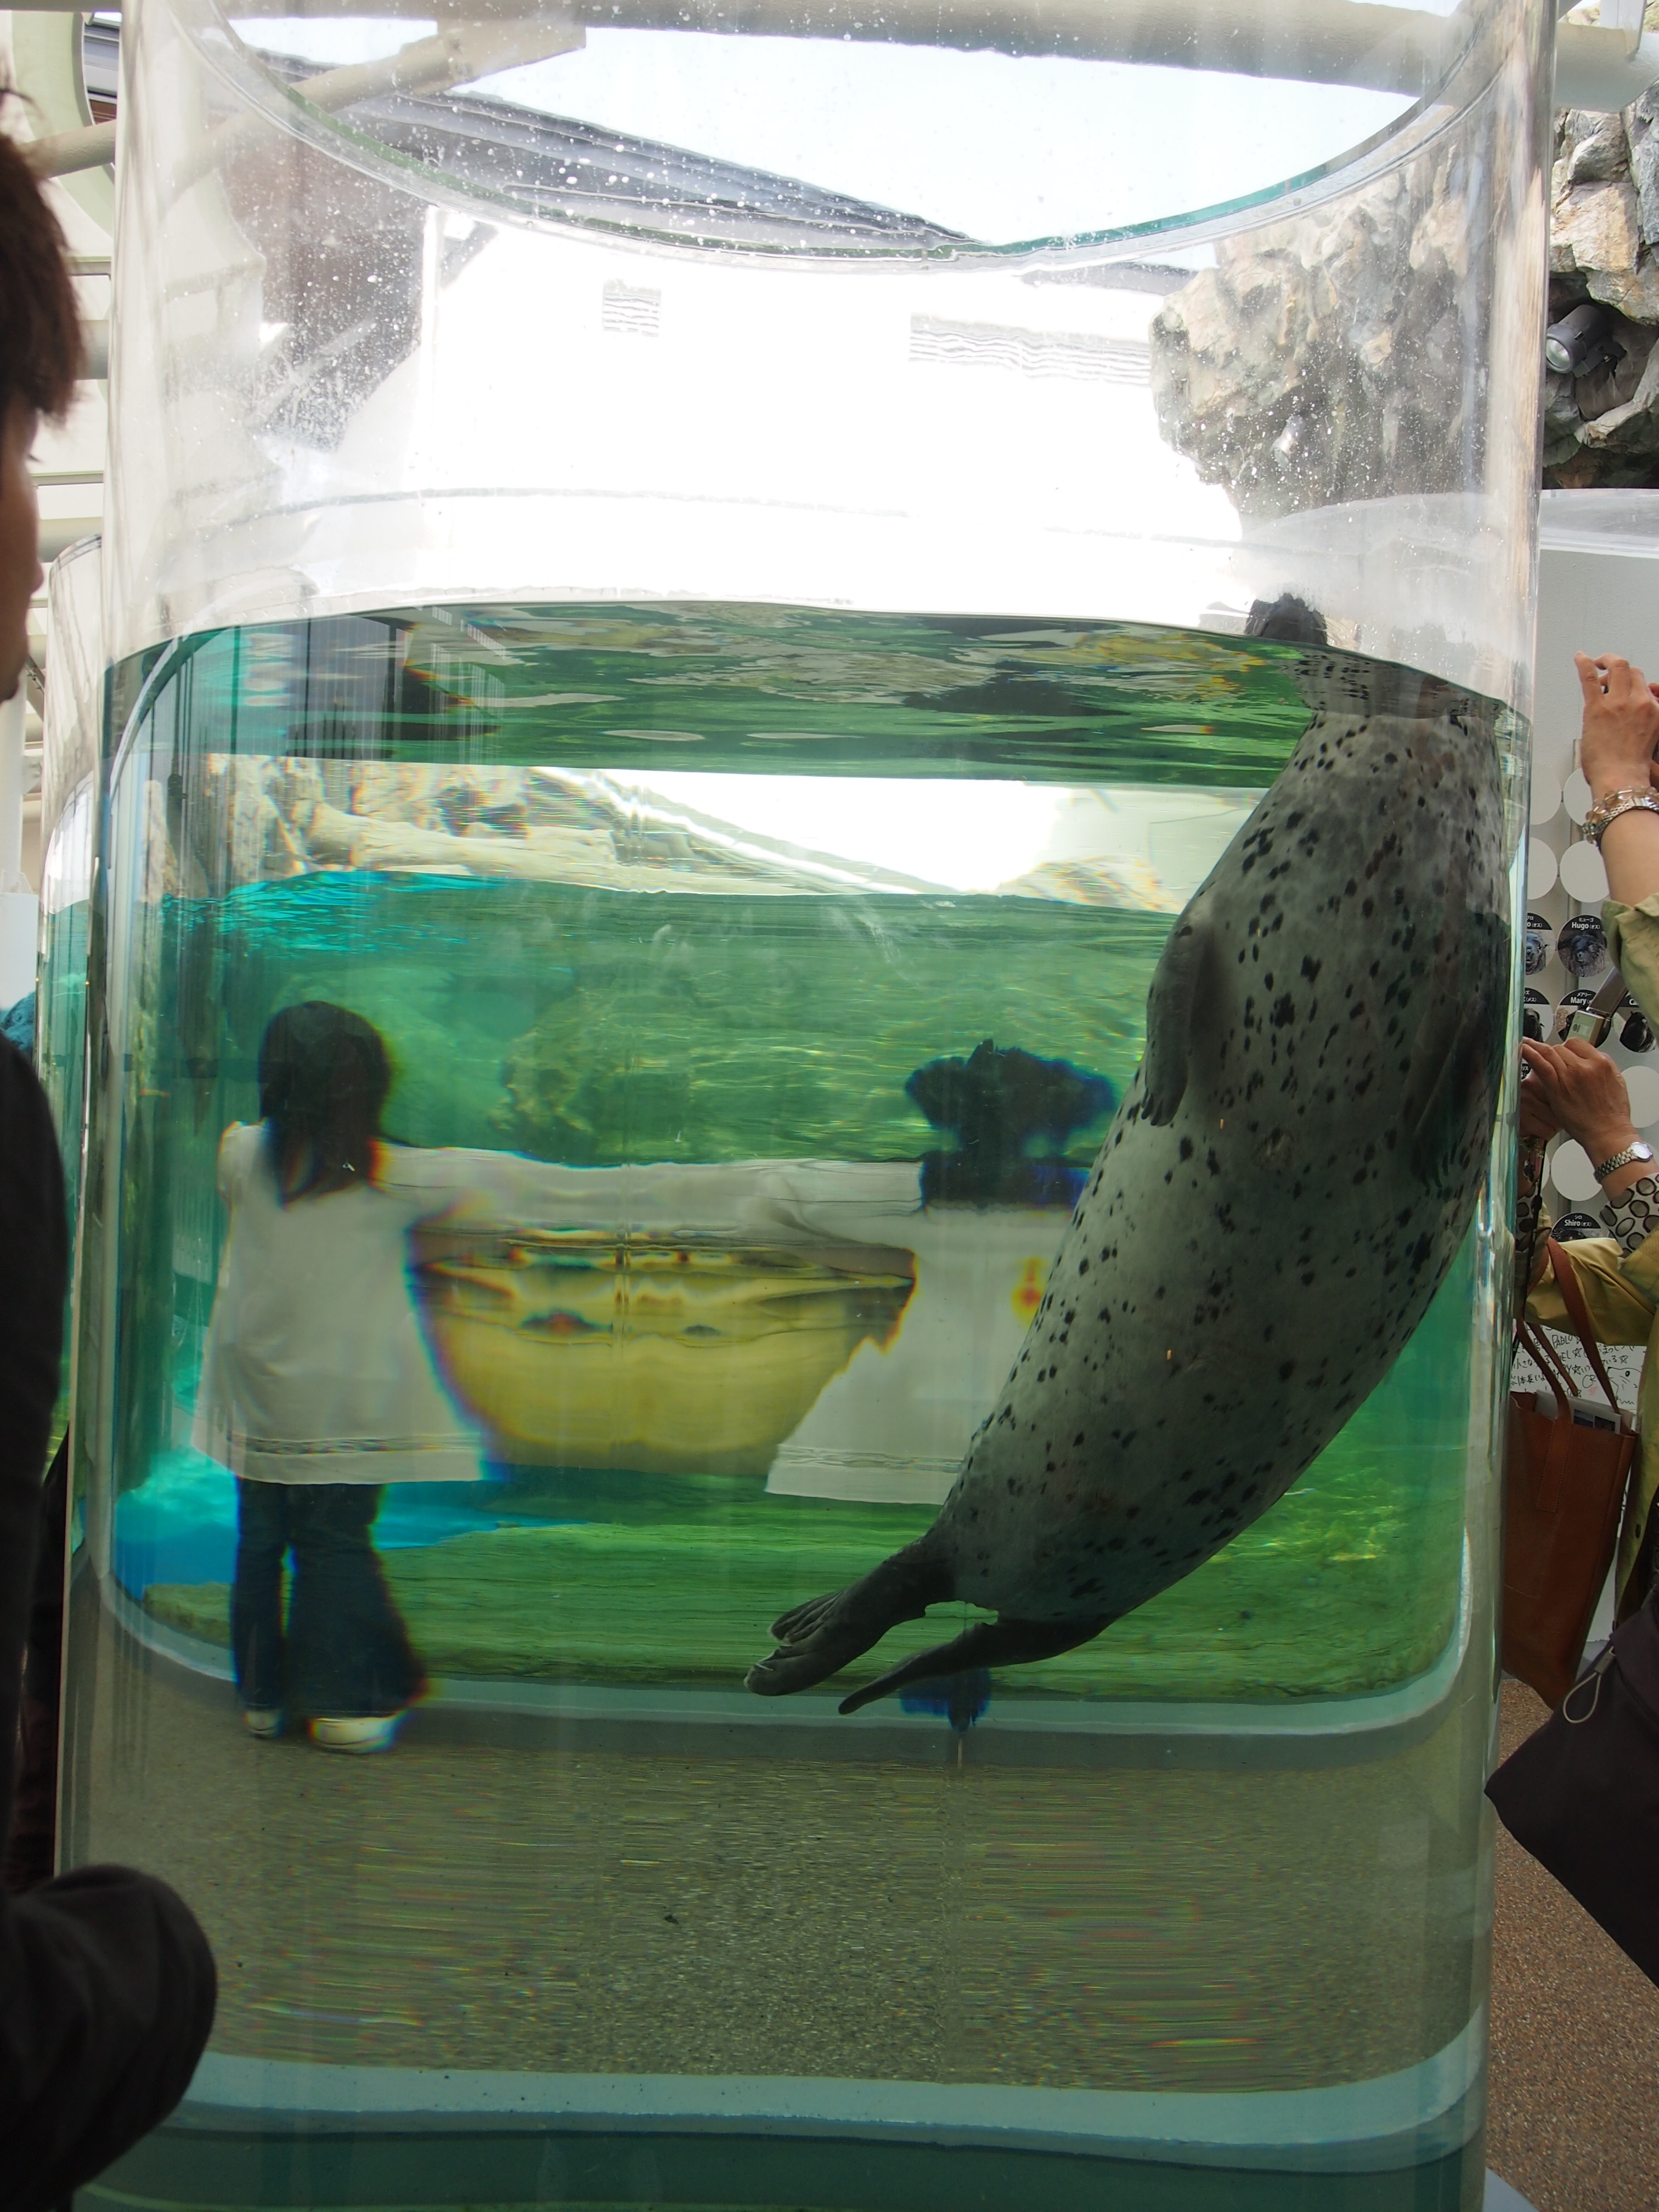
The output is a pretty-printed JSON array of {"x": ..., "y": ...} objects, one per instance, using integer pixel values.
[{"x": 1606, "y": 811}]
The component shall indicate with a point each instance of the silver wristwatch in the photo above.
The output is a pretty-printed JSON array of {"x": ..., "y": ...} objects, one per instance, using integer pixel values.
[
  {"x": 1638, "y": 1150},
  {"x": 1606, "y": 811}
]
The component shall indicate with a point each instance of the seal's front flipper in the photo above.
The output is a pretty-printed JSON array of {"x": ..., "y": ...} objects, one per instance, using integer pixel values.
[
  {"x": 987, "y": 1643},
  {"x": 1170, "y": 1005},
  {"x": 1456, "y": 1059},
  {"x": 817, "y": 1638}
]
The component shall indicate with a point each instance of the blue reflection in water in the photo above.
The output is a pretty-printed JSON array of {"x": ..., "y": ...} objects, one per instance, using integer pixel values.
[
  {"x": 179, "y": 1524},
  {"x": 962, "y": 1699}
]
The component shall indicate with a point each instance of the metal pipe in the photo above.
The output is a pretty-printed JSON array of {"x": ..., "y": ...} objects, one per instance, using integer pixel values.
[
  {"x": 458, "y": 55},
  {"x": 1384, "y": 47},
  {"x": 59, "y": 532},
  {"x": 1321, "y": 41},
  {"x": 67, "y": 152},
  {"x": 1597, "y": 69}
]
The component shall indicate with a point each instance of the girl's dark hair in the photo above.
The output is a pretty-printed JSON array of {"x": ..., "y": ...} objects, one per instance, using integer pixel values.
[
  {"x": 40, "y": 355},
  {"x": 323, "y": 1076}
]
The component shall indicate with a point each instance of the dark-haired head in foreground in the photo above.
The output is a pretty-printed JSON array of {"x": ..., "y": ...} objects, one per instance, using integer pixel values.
[
  {"x": 40, "y": 359},
  {"x": 106, "y": 1982}
]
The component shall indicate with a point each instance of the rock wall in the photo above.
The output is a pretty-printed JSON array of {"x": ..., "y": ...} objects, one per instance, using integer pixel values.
[
  {"x": 1328, "y": 359},
  {"x": 249, "y": 818},
  {"x": 1325, "y": 358},
  {"x": 1603, "y": 428}
]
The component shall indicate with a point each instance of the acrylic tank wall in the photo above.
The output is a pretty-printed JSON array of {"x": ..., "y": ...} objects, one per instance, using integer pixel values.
[
  {"x": 717, "y": 582},
  {"x": 71, "y": 751}
]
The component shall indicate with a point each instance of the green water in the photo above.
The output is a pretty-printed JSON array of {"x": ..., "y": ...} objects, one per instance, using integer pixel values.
[
  {"x": 514, "y": 839},
  {"x": 640, "y": 893}
]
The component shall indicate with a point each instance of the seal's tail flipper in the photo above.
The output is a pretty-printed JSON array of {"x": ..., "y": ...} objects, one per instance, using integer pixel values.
[
  {"x": 987, "y": 1643},
  {"x": 817, "y": 1639}
]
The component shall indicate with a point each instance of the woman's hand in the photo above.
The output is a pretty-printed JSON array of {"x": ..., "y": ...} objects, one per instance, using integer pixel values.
[
  {"x": 1537, "y": 1119},
  {"x": 1621, "y": 725},
  {"x": 1584, "y": 1093}
]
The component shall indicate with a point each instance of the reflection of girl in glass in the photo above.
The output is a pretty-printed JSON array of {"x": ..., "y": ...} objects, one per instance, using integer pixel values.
[{"x": 318, "y": 1388}]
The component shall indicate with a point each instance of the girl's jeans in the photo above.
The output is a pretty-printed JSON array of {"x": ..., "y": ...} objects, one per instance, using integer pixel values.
[{"x": 345, "y": 1653}]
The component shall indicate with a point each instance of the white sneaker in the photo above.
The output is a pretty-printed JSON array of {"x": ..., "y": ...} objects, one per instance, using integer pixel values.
[
  {"x": 372, "y": 1732},
  {"x": 264, "y": 1721}
]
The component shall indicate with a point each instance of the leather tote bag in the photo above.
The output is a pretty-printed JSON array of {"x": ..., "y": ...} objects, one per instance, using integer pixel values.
[
  {"x": 1582, "y": 1793},
  {"x": 1566, "y": 1469}
]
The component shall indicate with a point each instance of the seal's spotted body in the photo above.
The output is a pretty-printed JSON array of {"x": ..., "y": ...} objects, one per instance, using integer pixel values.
[{"x": 1280, "y": 1197}]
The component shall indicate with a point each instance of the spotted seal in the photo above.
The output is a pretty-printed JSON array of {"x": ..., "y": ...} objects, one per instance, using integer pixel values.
[{"x": 1282, "y": 1191}]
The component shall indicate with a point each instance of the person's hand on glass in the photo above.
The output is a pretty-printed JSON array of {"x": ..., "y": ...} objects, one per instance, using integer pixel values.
[
  {"x": 1536, "y": 1117},
  {"x": 1584, "y": 1093},
  {"x": 1621, "y": 725}
]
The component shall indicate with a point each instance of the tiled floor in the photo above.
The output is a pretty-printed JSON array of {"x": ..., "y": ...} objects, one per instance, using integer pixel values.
[
  {"x": 1574, "y": 2123},
  {"x": 1574, "y": 2120}
]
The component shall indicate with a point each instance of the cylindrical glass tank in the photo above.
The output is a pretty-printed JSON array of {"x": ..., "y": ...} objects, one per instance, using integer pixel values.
[
  {"x": 71, "y": 751},
  {"x": 720, "y": 580}
]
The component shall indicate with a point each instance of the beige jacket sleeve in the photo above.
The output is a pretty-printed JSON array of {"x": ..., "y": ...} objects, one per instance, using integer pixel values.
[
  {"x": 1633, "y": 940},
  {"x": 1621, "y": 1294},
  {"x": 1621, "y": 1305}
]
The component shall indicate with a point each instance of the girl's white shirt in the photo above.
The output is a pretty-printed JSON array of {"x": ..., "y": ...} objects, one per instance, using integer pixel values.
[{"x": 317, "y": 1367}]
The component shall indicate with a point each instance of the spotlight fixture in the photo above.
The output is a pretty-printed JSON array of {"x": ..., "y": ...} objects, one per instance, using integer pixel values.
[{"x": 1581, "y": 341}]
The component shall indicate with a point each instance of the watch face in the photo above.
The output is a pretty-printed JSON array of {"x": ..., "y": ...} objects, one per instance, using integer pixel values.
[{"x": 1638, "y": 1150}]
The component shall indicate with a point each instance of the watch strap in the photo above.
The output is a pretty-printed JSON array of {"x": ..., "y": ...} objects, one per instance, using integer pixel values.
[
  {"x": 1607, "y": 811},
  {"x": 1638, "y": 1150}
]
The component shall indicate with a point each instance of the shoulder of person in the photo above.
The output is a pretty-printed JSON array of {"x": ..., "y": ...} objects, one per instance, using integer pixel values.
[
  {"x": 406, "y": 1170},
  {"x": 1633, "y": 941},
  {"x": 239, "y": 1150}
]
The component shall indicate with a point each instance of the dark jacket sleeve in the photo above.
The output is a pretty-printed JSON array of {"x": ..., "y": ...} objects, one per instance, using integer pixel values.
[
  {"x": 106, "y": 1982},
  {"x": 34, "y": 1277},
  {"x": 107, "y": 1996}
]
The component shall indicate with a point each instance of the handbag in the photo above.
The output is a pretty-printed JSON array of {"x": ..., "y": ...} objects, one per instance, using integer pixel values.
[
  {"x": 1566, "y": 1470},
  {"x": 1582, "y": 1793}
]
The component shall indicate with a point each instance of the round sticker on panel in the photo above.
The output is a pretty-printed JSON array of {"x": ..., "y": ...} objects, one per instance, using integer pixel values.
[{"x": 1583, "y": 945}]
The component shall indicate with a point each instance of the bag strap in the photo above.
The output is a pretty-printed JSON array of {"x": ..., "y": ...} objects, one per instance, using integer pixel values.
[
  {"x": 1528, "y": 1174},
  {"x": 1551, "y": 1478},
  {"x": 1547, "y": 1360},
  {"x": 1573, "y": 1298}
]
